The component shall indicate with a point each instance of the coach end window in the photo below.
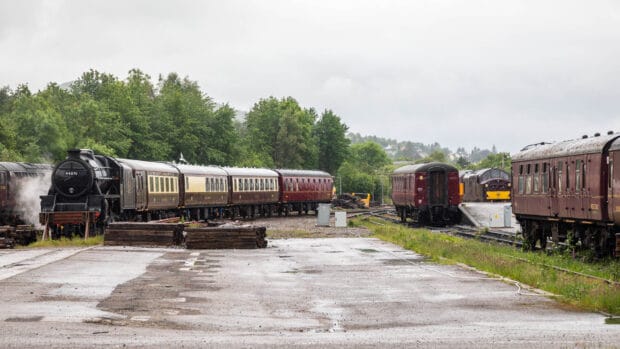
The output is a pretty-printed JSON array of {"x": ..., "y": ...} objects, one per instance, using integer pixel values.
[{"x": 610, "y": 174}]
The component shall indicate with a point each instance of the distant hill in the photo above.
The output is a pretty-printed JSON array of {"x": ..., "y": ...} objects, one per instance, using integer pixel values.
[{"x": 411, "y": 151}]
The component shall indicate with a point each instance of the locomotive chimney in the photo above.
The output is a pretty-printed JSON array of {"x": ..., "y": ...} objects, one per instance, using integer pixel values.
[
  {"x": 76, "y": 153},
  {"x": 73, "y": 153}
]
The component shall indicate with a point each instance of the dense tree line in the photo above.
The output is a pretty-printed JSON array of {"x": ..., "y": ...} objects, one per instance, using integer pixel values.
[{"x": 134, "y": 118}]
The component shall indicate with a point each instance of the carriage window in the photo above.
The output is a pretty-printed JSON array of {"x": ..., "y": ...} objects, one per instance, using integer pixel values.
[
  {"x": 583, "y": 175},
  {"x": 156, "y": 185},
  {"x": 151, "y": 185},
  {"x": 578, "y": 175},
  {"x": 567, "y": 176},
  {"x": 520, "y": 169},
  {"x": 545, "y": 178},
  {"x": 536, "y": 178},
  {"x": 528, "y": 180},
  {"x": 560, "y": 171}
]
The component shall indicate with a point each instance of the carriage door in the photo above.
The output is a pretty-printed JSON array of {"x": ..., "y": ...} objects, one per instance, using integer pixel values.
[
  {"x": 438, "y": 194},
  {"x": 553, "y": 189},
  {"x": 140, "y": 190}
]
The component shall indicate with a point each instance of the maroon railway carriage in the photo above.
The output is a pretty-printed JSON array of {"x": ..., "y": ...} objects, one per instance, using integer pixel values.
[
  {"x": 427, "y": 193},
  {"x": 569, "y": 191},
  {"x": 303, "y": 190}
]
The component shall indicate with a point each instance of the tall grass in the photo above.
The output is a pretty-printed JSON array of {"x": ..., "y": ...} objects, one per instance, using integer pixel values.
[
  {"x": 64, "y": 242},
  {"x": 534, "y": 269}
]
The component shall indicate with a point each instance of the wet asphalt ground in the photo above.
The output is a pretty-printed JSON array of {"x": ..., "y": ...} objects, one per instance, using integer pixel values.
[{"x": 327, "y": 292}]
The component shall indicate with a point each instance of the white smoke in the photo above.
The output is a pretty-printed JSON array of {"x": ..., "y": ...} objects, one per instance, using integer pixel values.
[{"x": 28, "y": 191}]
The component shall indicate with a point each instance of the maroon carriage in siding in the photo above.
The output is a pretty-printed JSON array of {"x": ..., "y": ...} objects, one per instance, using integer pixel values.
[
  {"x": 303, "y": 190},
  {"x": 427, "y": 193},
  {"x": 562, "y": 191}
]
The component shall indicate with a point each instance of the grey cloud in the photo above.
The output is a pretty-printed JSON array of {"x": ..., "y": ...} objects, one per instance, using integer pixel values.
[{"x": 461, "y": 73}]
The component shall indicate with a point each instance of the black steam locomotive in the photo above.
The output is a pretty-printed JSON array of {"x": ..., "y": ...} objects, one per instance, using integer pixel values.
[{"x": 89, "y": 190}]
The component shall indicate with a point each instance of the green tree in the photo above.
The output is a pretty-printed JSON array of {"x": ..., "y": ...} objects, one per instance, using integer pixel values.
[
  {"x": 279, "y": 133},
  {"x": 333, "y": 145},
  {"x": 369, "y": 156}
]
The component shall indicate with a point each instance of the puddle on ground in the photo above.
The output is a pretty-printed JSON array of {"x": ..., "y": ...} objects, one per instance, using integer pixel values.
[
  {"x": 402, "y": 261},
  {"x": 24, "y": 319},
  {"x": 307, "y": 271},
  {"x": 368, "y": 250}
]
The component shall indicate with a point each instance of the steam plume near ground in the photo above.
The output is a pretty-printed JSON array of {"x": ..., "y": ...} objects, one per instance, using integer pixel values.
[{"x": 27, "y": 197}]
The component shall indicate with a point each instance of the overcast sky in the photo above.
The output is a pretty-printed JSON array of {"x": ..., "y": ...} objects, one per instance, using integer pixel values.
[{"x": 461, "y": 73}]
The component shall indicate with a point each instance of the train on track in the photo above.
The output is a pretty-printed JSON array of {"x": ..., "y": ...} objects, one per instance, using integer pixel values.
[
  {"x": 485, "y": 185},
  {"x": 427, "y": 193},
  {"x": 20, "y": 181},
  {"x": 88, "y": 191},
  {"x": 569, "y": 191}
]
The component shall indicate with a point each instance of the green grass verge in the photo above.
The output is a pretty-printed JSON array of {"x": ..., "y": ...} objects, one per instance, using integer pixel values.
[
  {"x": 526, "y": 267},
  {"x": 64, "y": 242}
]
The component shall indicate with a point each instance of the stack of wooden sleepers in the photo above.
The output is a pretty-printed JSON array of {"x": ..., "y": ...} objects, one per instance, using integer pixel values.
[
  {"x": 17, "y": 235},
  {"x": 143, "y": 234},
  {"x": 225, "y": 237}
]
